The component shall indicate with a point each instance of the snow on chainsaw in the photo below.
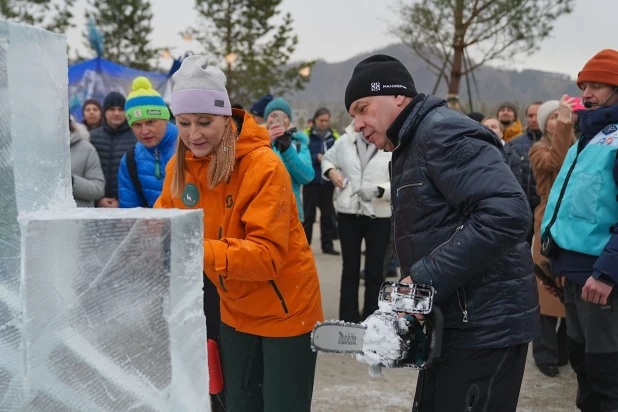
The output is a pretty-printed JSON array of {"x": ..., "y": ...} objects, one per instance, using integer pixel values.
[{"x": 385, "y": 338}]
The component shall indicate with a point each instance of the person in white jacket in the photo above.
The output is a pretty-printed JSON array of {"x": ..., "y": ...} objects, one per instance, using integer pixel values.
[{"x": 359, "y": 172}]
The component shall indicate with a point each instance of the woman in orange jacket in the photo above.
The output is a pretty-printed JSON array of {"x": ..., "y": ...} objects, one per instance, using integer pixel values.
[{"x": 255, "y": 249}]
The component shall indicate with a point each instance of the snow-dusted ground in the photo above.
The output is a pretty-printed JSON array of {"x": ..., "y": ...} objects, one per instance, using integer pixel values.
[{"x": 342, "y": 384}]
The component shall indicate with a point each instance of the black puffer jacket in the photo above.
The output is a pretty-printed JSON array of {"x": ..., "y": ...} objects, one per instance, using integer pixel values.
[
  {"x": 460, "y": 220},
  {"x": 111, "y": 145}
]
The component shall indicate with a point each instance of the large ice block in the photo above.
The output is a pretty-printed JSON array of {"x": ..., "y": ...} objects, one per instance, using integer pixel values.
[
  {"x": 34, "y": 167},
  {"x": 113, "y": 310}
]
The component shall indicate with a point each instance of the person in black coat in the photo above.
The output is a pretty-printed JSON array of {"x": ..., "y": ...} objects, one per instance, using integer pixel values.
[
  {"x": 512, "y": 157},
  {"x": 521, "y": 145},
  {"x": 112, "y": 140},
  {"x": 460, "y": 219}
]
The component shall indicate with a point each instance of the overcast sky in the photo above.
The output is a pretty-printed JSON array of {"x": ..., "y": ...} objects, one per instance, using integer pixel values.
[{"x": 335, "y": 30}]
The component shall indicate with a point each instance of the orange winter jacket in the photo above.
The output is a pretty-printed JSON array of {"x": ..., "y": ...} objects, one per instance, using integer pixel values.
[
  {"x": 514, "y": 130},
  {"x": 255, "y": 248}
]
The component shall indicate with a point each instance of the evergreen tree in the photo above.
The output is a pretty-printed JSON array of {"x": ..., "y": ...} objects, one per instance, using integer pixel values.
[
  {"x": 239, "y": 36},
  {"x": 126, "y": 25},
  {"x": 53, "y": 15}
]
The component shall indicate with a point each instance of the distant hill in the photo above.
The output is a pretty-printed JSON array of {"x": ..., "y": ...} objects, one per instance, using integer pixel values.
[{"x": 329, "y": 80}]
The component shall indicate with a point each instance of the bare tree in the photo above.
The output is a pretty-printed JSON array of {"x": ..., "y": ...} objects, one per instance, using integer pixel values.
[{"x": 445, "y": 32}]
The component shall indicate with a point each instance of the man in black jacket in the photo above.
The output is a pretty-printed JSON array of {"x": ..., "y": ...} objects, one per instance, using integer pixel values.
[
  {"x": 112, "y": 140},
  {"x": 460, "y": 219},
  {"x": 522, "y": 145}
]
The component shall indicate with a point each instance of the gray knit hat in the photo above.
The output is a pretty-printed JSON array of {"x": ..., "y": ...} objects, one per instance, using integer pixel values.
[
  {"x": 198, "y": 87},
  {"x": 545, "y": 110}
]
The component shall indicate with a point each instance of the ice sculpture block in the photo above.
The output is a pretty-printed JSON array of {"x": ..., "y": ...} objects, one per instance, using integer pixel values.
[
  {"x": 34, "y": 168},
  {"x": 113, "y": 310}
]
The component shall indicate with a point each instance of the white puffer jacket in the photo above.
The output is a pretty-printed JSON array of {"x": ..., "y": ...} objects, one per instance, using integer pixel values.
[{"x": 344, "y": 156}]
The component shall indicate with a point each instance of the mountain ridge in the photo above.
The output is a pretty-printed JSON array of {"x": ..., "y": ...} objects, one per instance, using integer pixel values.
[{"x": 329, "y": 80}]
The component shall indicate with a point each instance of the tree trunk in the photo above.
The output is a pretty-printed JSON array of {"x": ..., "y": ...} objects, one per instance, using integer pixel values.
[
  {"x": 455, "y": 78},
  {"x": 458, "y": 49}
]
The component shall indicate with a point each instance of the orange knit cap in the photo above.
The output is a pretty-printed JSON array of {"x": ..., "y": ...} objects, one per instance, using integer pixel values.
[{"x": 602, "y": 68}]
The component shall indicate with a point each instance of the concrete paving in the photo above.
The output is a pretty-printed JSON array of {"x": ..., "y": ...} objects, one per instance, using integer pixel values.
[{"x": 343, "y": 385}]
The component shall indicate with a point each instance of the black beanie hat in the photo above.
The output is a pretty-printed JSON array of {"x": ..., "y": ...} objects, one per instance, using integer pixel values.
[
  {"x": 113, "y": 99},
  {"x": 477, "y": 116},
  {"x": 379, "y": 75}
]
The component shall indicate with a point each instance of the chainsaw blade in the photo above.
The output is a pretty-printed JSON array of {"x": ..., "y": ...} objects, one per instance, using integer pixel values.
[{"x": 338, "y": 337}]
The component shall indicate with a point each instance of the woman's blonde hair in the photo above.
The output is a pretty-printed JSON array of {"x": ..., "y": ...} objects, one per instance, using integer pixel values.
[
  {"x": 221, "y": 164},
  {"x": 496, "y": 119}
]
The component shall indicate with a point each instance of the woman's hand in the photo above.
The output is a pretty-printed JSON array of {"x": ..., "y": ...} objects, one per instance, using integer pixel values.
[
  {"x": 565, "y": 110},
  {"x": 275, "y": 131},
  {"x": 336, "y": 177}
]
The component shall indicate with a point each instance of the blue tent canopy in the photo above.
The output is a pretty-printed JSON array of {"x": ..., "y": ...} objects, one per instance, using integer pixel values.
[{"x": 94, "y": 79}]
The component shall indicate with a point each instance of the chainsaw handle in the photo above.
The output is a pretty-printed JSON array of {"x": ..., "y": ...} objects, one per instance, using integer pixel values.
[{"x": 436, "y": 320}]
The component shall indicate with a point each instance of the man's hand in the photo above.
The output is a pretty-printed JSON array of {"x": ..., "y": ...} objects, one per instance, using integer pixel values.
[
  {"x": 559, "y": 280},
  {"x": 595, "y": 291},
  {"x": 402, "y": 314},
  {"x": 108, "y": 202},
  {"x": 275, "y": 131},
  {"x": 336, "y": 177},
  {"x": 320, "y": 156}
]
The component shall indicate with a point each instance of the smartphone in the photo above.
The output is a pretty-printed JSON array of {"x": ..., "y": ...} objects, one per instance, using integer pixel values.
[
  {"x": 578, "y": 103},
  {"x": 345, "y": 182},
  {"x": 277, "y": 118}
]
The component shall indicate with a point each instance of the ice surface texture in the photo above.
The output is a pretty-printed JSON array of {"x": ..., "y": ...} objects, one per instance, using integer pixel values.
[
  {"x": 113, "y": 311},
  {"x": 34, "y": 168}
]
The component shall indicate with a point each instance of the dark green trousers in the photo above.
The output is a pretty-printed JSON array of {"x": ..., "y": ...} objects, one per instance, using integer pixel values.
[{"x": 266, "y": 374}]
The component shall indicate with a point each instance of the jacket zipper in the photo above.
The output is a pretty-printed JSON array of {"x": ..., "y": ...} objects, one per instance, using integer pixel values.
[
  {"x": 464, "y": 307},
  {"x": 157, "y": 164},
  {"x": 416, "y": 184},
  {"x": 274, "y": 285},
  {"x": 448, "y": 240}
]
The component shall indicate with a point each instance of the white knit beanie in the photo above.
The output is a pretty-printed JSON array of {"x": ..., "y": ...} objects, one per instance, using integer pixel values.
[
  {"x": 545, "y": 110},
  {"x": 199, "y": 88}
]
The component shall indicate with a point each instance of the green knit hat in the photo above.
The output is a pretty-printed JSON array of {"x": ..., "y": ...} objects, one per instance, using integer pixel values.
[{"x": 144, "y": 102}]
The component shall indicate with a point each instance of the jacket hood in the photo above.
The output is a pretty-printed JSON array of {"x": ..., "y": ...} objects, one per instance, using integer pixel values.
[
  {"x": 403, "y": 129},
  {"x": 410, "y": 117},
  {"x": 80, "y": 133},
  {"x": 252, "y": 136}
]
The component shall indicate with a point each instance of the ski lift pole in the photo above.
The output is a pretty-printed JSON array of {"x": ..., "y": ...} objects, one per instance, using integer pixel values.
[
  {"x": 476, "y": 86},
  {"x": 435, "y": 87}
]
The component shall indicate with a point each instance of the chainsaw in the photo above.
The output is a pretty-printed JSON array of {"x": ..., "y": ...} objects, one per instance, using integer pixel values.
[{"x": 386, "y": 339}]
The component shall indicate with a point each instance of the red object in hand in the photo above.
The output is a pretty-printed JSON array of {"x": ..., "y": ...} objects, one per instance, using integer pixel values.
[{"x": 215, "y": 382}]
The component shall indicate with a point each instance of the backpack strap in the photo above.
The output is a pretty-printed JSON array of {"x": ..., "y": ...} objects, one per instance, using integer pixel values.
[{"x": 132, "y": 166}]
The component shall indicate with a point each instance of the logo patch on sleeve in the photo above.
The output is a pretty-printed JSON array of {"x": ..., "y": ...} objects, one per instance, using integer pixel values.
[{"x": 610, "y": 129}]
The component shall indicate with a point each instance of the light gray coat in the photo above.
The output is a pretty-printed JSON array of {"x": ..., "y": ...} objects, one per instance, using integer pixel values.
[{"x": 86, "y": 172}]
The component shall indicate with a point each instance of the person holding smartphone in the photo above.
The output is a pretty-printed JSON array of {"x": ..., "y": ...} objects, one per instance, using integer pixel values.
[
  {"x": 291, "y": 146},
  {"x": 555, "y": 119}
]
